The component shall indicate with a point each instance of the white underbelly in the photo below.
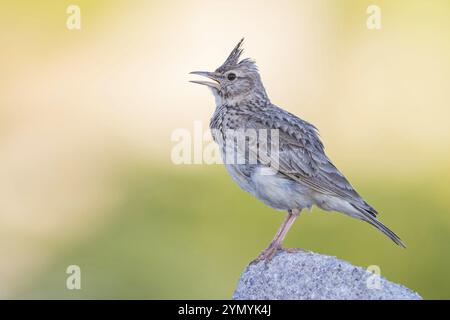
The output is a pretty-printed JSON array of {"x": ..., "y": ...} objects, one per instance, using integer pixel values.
[{"x": 280, "y": 192}]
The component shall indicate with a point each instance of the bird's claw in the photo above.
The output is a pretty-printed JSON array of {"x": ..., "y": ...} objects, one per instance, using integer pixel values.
[
  {"x": 267, "y": 254},
  {"x": 293, "y": 250},
  {"x": 271, "y": 251}
]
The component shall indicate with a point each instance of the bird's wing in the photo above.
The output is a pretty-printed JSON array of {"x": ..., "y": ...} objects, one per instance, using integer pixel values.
[{"x": 302, "y": 156}]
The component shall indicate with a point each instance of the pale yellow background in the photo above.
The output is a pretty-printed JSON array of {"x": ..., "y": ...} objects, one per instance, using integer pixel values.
[{"x": 86, "y": 118}]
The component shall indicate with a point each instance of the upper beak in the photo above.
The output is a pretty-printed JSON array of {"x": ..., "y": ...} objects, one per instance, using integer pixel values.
[{"x": 211, "y": 75}]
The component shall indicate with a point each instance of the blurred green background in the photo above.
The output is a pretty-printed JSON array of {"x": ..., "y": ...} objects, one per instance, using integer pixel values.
[{"x": 86, "y": 118}]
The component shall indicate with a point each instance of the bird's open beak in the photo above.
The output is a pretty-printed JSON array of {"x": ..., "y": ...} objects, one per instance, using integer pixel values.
[{"x": 211, "y": 75}]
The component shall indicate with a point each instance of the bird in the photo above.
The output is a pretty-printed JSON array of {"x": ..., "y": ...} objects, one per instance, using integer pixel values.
[{"x": 303, "y": 176}]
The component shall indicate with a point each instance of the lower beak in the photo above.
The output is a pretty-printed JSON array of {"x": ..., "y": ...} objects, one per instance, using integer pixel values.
[{"x": 211, "y": 75}]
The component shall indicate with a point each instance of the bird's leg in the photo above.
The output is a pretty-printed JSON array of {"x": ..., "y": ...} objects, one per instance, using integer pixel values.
[{"x": 268, "y": 253}]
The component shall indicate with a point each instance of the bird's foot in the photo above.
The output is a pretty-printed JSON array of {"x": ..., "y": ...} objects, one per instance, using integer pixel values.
[
  {"x": 293, "y": 250},
  {"x": 268, "y": 253}
]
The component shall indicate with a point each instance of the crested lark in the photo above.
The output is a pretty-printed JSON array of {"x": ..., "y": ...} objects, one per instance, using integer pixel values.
[{"x": 303, "y": 176}]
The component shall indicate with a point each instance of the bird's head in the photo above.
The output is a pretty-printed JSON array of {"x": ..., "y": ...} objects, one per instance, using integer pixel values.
[{"x": 234, "y": 81}]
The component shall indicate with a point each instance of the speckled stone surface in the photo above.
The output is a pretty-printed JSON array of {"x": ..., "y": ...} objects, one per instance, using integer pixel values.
[{"x": 312, "y": 276}]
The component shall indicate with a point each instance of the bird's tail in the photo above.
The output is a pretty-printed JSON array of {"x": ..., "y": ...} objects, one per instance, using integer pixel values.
[{"x": 372, "y": 220}]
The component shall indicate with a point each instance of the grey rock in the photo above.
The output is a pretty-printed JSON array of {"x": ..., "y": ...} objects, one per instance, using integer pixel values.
[{"x": 312, "y": 276}]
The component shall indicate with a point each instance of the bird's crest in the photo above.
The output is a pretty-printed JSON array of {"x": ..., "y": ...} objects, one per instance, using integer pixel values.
[{"x": 233, "y": 58}]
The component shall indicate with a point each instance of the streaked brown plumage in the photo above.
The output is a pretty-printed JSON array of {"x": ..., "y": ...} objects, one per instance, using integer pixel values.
[{"x": 305, "y": 176}]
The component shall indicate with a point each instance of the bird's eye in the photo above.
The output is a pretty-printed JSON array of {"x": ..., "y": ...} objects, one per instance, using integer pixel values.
[{"x": 231, "y": 76}]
